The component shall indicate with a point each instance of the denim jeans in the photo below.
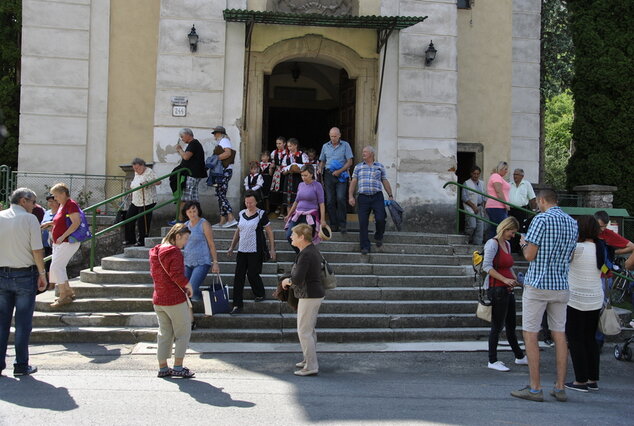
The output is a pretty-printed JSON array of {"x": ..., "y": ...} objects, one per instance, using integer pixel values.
[
  {"x": 336, "y": 201},
  {"x": 497, "y": 216},
  {"x": 17, "y": 290},
  {"x": 368, "y": 203},
  {"x": 196, "y": 276}
]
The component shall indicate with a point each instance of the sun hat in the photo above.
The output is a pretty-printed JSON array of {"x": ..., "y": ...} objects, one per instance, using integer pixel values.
[
  {"x": 219, "y": 129},
  {"x": 325, "y": 233}
]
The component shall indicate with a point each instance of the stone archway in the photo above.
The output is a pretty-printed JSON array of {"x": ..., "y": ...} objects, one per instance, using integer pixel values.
[{"x": 316, "y": 47}]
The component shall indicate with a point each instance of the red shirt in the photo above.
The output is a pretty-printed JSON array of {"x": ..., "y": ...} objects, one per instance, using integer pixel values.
[
  {"x": 169, "y": 278},
  {"x": 613, "y": 239},
  {"x": 59, "y": 221}
]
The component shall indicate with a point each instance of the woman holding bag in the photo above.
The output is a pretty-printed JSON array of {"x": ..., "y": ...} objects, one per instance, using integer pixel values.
[
  {"x": 307, "y": 285},
  {"x": 170, "y": 299},
  {"x": 584, "y": 306},
  {"x": 499, "y": 282}
]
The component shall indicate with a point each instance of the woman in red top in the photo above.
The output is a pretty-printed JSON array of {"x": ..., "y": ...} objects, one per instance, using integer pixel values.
[
  {"x": 171, "y": 292},
  {"x": 501, "y": 279},
  {"x": 63, "y": 250}
]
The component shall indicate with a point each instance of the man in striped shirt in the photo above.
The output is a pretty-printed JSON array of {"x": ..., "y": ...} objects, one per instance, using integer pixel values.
[
  {"x": 548, "y": 246},
  {"x": 371, "y": 178}
]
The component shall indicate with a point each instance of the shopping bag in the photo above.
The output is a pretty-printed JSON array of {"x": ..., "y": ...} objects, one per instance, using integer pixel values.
[
  {"x": 609, "y": 322},
  {"x": 216, "y": 297}
]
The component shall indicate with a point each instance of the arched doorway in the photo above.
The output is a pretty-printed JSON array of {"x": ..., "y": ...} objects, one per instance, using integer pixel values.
[
  {"x": 304, "y": 99},
  {"x": 353, "y": 97}
]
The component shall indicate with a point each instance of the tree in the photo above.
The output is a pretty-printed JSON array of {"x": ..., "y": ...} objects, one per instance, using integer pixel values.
[
  {"x": 10, "y": 30},
  {"x": 603, "y": 88},
  {"x": 557, "y": 48},
  {"x": 557, "y": 124}
]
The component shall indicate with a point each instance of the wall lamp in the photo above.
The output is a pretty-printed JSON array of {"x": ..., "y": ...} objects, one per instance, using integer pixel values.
[
  {"x": 430, "y": 54},
  {"x": 193, "y": 39}
]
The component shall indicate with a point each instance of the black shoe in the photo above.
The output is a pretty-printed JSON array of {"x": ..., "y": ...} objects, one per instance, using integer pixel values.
[
  {"x": 139, "y": 245},
  {"x": 365, "y": 251},
  {"x": 378, "y": 243},
  {"x": 259, "y": 299},
  {"x": 344, "y": 231},
  {"x": 24, "y": 371},
  {"x": 549, "y": 342},
  {"x": 333, "y": 229},
  {"x": 235, "y": 310}
]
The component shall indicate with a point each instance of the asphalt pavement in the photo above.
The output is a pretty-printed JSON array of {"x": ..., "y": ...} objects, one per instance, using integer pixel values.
[{"x": 89, "y": 384}]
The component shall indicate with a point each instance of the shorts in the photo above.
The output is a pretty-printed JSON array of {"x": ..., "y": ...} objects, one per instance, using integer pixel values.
[
  {"x": 535, "y": 301},
  {"x": 191, "y": 189}
]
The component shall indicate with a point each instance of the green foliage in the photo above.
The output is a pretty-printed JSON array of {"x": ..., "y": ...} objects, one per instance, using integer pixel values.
[
  {"x": 603, "y": 89},
  {"x": 558, "y": 137},
  {"x": 557, "y": 48},
  {"x": 10, "y": 30}
]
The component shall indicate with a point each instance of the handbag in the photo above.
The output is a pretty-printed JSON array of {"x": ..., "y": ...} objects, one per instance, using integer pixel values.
[
  {"x": 328, "y": 277},
  {"x": 82, "y": 233},
  {"x": 285, "y": 295},
  {"x": 609, "y": 321},
  {"x": 260, "y": 238},
  {"x": 216, "y": 297},
  {"x": 483, "y": 311},
  {"x": 484, "y": 308}
]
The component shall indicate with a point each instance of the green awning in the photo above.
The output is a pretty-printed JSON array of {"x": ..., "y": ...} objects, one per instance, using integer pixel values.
[{"x": 316, "y": 20}]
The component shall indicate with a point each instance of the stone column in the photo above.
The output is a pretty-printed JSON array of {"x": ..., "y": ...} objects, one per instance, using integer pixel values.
[{"x": 596, "y": 196}]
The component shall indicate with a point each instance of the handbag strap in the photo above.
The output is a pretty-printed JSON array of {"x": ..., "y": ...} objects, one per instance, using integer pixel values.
[{"x": 189, "y": 303}]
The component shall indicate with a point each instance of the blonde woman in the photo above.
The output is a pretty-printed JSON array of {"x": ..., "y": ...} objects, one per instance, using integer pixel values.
[
  {"x": 65, "y": 222},
  {"x": 307, "y": 286},
  {"x": 500, "y": 281},
  {"x": 498, "y": 187},
  {"x": 171, "y": 290}
]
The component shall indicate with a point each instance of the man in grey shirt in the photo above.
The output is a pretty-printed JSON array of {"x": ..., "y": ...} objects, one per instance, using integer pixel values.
[{"x": 22, "y": 273}]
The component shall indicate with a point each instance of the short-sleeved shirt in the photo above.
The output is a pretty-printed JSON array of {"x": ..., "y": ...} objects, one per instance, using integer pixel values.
[
  {"x": 341, "y": 153},
  {"x": 309, "y": 196},
  {"x": 146, "y": 196},
  {"x": 521, "y": 194},
  {"x": 369, "y": 177},
  {"x": 20, "y": 233},
  {"x": 613, "y": 239},
  {"x": 555, "y": 234},
  {"x": 506, "y": 189},
  {"x": 59, "y": 221},
  {"x": 197, "y": 161},
  {"x": 247, "y": 225},
  {"x": 226, "y": 143},
  {"x": 474, "y": 197}
]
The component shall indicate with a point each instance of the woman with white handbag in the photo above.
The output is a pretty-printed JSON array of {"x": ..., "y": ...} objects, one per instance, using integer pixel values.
[
  {"x": 584, "y": 306},
  {"x": 499, "y": 282}
]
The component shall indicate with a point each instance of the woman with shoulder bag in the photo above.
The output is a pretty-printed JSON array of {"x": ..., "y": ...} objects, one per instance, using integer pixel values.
[
  {"x": 251, "y": 251},
  {"x": 170, "y": 299},
  {"x": 499, "y": 282},
  {"x": 307, "y": 285},
  {"x": 584, "y": 305}
]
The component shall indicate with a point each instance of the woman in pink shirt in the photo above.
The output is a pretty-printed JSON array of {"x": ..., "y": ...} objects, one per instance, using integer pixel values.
[{"x": 499, "y": 188}]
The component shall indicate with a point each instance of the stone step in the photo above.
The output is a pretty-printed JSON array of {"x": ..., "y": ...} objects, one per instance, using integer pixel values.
[
  {"x": 286, "y": 256},
  {"x": 113, "y": 282},
  {"x": 148, "y": 334},
  {"x": 269, "y": 306},
  {"x": 285, "y": 321}
]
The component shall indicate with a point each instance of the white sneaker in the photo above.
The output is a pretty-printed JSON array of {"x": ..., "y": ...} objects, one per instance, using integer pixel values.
[
  {"x": 499, "y": 366},
  {"x": 230, "y": 224},
  {"x": 217, "y": 225},
  {"x": 521, "y": 361}
]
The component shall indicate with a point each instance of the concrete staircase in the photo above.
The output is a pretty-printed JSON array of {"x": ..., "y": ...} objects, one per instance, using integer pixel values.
[{"x": 417, "y": 287}]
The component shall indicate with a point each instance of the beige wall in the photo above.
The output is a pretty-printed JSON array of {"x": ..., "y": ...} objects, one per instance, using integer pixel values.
[
  {"x": 132, "y": 83},
  {"x": 484, "y": 78}
]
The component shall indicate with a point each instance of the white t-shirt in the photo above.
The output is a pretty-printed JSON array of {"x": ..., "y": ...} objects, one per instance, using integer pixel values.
[
  {"x": 226, "y": 143},
  {"x": 584, "y": 279}
]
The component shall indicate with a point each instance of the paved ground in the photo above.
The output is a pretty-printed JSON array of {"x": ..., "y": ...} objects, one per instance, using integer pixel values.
[{"x": 107, "y": 385}]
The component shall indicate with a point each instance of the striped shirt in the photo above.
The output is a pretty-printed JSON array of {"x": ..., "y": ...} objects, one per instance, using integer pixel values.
[
  {"x": 555, "y": 234},
  {"x": 369, "y": 177}
]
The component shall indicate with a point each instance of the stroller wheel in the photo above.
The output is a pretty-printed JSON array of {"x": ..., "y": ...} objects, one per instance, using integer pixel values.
[
  {"x": 627, "y": 353},
  {"x": 617, "y": 352}
]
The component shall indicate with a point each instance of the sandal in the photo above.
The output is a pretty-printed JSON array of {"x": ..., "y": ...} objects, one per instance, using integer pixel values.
[
  {"x": 163, "y": 374},
  {"x": 184, "y": 373},
  {"x": 66, "y": 300}
]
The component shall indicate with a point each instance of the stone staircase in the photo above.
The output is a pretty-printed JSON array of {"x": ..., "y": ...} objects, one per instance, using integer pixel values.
[{"x": 417, "y": 287}]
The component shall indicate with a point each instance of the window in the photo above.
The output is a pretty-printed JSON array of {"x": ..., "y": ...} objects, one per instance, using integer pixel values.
[{"x": 464, "y": 4}]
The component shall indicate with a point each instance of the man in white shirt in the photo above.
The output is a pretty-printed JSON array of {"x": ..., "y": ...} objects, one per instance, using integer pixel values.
[
  {"x": 474, "y": 203},
  {"x": 522, "y": 195}
]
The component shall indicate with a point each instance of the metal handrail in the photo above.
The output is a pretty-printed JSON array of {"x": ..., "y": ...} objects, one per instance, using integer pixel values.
[
  {"x": 461, "y": 210},
  {"x": 93, "y": 209}
]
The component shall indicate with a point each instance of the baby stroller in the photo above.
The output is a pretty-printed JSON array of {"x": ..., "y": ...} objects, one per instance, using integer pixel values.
[{"x": 624, "y": 351}]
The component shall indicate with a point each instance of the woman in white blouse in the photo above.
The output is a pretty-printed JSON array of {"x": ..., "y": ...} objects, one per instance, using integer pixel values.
[
  {"x": 142, "y": 200},
  {"x": 584, "y": 306}
]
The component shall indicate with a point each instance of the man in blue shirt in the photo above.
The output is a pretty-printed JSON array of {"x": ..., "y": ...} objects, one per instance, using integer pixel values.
[
  {"x": 334, "y": 161},
  {"x": 548, "y": 246},
  {"x": 371, "y": 178}
]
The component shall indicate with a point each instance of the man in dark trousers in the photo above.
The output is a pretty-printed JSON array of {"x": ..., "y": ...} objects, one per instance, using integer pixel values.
[
  {"x": 194, "y": 159},
  {"x": 334, "y": 161},
  {"x": 22, "y": 273}
]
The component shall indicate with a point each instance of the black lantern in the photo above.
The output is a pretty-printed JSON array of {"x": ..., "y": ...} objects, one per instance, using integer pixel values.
[
  {"x": 295, "y": 72},
  {"x": 430, "y": 53},
  {"x": 193, "y": 39}
]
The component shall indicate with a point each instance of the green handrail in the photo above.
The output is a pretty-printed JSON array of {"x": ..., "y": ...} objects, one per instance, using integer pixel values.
[
  {"x": 93, "y": 210},
  {"x": 460, "y": 210}
]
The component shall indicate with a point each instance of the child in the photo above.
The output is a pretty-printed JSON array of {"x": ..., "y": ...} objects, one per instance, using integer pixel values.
[
  {"x": 277, "y": 183},
  {"x": 312, "y": 159},
  {"x": 291, "y": 165},
  {"x": 266, "y": 169},
  {"x": 214, "y": 165},
  {"x": 254, "y": 180}
]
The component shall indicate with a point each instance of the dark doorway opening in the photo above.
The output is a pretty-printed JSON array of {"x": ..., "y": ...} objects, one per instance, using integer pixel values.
[
  {"x": 305, "y": 100},
  {"x": 466, "y": 160}
]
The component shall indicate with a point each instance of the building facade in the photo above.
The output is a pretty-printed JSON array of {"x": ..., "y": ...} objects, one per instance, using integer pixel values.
[{"x": 104, "y": 81}]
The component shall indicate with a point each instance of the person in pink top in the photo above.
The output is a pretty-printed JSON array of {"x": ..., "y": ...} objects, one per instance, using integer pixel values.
[{"x": 497, "y": 187}]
